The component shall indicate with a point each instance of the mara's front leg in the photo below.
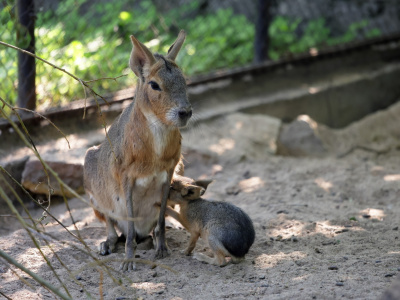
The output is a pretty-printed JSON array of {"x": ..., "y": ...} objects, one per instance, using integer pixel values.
[
  {"x": 162, "y": 248},
  {"x": 130, "y": 244}
]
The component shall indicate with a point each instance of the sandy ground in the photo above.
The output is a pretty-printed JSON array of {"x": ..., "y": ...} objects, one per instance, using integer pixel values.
[{"x": 326, "y": 228}]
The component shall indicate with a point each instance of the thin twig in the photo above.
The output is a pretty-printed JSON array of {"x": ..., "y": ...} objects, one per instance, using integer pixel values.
[
  {"x": 106, "y": 78},
  {"x": 5, "y": 296}
]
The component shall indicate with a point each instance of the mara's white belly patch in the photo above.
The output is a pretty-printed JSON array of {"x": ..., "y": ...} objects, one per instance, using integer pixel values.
[{"x": 153, "y": 181}]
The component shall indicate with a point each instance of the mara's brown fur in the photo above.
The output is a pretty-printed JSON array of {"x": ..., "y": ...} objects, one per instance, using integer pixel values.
[{"x": 128, "y": 175}]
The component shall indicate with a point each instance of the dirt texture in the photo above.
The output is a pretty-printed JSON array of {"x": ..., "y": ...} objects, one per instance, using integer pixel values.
[{"x": 327, "y": 227}]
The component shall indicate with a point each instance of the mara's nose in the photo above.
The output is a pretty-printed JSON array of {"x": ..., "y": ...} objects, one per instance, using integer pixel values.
[{"x": 185, "y": 113}]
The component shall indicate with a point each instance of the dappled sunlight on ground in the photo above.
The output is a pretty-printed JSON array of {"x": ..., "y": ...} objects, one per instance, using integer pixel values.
[
  {"x": 373, "y": 213},
  {"x": 265, "y": 261},
  {"x": 149, "y": 287},
  {"x": 296, "y": 228},
  {"x": 323, "y": 184},
  {"x": 252, "y": 184},
  {"x": 223, "y": 145},
  {"x": 301, "y": 278},
  {"x": 392, "y": 177}
]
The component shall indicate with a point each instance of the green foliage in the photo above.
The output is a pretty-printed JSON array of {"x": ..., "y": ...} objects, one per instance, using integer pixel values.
[
  {"x": 92, "y": 41},
  {"x": 96, "y": 43},
  {"x": 284, "y": 38}
]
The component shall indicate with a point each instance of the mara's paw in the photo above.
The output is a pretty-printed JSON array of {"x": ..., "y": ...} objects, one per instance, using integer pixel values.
[
  {"x": 128, "y": 265},
  {"x": 106, "y": 248},
  {"x": 162, "y": 251}
]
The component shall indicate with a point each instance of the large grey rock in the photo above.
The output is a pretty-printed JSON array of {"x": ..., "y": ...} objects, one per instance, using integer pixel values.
[
  {"x": 34, "y": 178},
  {"x": 301, "y": 138},
  {"x": 235, "y": 137}
]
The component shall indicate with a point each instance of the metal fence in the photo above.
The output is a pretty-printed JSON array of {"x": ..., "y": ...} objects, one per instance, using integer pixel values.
[{"x": 90, "y": 38}]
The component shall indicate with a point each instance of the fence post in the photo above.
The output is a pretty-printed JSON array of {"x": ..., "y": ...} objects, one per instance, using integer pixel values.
[
  {"x": 26, "y": 63},
  {"x": 261, "y": 44}
]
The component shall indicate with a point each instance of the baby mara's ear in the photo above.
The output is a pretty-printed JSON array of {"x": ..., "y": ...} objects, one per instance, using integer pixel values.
[
  {"x": 203, "y": 183},
  {"x": 191, "y": 192}
]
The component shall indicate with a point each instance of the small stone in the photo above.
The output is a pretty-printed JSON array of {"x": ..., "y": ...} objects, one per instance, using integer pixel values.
[
  {"x": 246, "y": 175},
  {"x": 261, "y": 277},
  {"x": 283, "y": 211},
  {"x": 264, "y": 285},
  {"x": 339, "y": 283},
  {"x": 81, "y": 290},
  {"x": 160, "y": 292},
  {"x": 153, "y": 266},
  {"x": 233, "y": 190},
  {"x": 395, "y": 228},
  {"x": 333, "y": 268},
  {"x": 154, "y": 274},
  {"x": 317, "y": 250},
  {"x": 78, "y": 277},
  {"x": 378, "y": 261},
  {"x": 295, "y": 239},
  {"x": 137, "y": 256},
  {"x": 342, "y": 230},
  {"x": 279, "y": 238},
  {"x": 366, "y": 216},
  {"x": 390, "y": 275}
]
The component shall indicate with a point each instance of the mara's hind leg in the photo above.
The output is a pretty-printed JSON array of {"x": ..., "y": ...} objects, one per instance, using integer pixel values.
[
  {"x": 108, "y": 246},
  {"x": 219, "y": 253},
  {"x": 218, "y": 259}
]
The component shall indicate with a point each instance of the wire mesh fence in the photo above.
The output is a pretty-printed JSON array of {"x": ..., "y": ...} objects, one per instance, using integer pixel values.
[{"x": 90, "y": 38}]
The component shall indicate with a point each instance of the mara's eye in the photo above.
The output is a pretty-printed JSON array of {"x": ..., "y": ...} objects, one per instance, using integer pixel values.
[{"x": 155, "y": 86}]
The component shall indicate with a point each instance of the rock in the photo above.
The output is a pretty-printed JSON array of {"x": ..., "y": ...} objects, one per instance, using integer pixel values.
[
  {"x": 15, "y": 169},
  {"x": 239, "y": 137},
  {"x": 300, "y": 138},
  {"x": 339, "y": 283},
  {"x": 233, "y": 190},
  {"x": 34, "y": 178}
]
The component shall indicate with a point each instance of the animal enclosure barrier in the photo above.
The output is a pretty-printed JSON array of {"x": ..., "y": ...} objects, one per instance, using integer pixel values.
[{"x": 90, "y": 38}]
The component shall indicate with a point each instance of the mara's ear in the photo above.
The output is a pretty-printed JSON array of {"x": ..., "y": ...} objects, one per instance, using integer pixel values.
[
  {"x": 191, "y": 192},
  {"x": 141, "y": 58},
  {"x": 203, "y": 183},
  {"x": 176, "y": 46}
]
